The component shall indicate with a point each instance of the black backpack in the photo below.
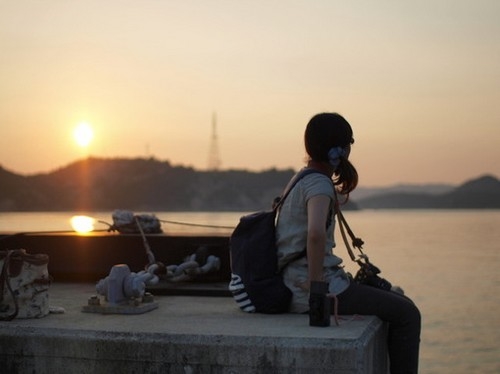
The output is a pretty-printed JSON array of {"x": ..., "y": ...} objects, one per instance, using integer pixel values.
[{"x": 256, "y": 284}]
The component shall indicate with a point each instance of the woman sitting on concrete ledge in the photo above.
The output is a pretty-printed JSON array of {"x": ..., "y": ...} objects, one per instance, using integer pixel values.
[{"x": 306, "y": 220}]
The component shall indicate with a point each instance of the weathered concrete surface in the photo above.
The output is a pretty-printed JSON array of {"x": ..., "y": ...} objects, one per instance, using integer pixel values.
[{"x": 186, "y": 335}]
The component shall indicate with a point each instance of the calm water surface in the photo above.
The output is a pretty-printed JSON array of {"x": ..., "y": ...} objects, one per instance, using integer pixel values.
[{"x": 447, "y": 261}]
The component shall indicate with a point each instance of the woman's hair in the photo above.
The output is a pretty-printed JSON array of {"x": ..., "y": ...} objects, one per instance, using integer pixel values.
[{"x": 324, "y": 132}]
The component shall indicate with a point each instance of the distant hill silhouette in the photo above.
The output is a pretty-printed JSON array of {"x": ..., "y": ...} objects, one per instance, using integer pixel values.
[
  {"x": 480, "y": 193},
  {"x": 362, "y": 192},
  {"x": 143, "y": 185},
  {"x": 107, "y": 184},
  {"x": 149, "y": 185}
]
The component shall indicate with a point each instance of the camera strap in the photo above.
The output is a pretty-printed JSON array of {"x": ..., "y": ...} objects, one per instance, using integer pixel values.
[
  {"x": 346, "y": 230},
  {"x": 367, "y": 274}
]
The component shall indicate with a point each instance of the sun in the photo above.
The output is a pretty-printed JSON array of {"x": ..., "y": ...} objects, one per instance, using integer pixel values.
[
  {"x": 83, "y": 134},
  {"x": 82, "y": 224}
]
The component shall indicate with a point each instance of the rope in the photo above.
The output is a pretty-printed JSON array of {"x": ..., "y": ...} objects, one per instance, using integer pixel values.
[
  {"x": 186, "y": 271},
  {"x": 47, "y": 232},
  {"x": 149, "y": 253},
  {"x": 112, "y": 227},
  {"x": 197, "y": 224}
]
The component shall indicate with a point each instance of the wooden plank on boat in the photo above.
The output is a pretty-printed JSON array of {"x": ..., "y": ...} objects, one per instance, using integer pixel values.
[{"x": 190, "y": 288}]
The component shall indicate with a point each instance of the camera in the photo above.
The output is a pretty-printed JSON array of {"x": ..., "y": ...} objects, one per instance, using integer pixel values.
[
  {"x": 367, "y": 274},
  {"x": 319, "y": 305}
]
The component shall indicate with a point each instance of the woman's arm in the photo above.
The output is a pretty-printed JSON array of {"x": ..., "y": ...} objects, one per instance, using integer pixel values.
[{"x": 317, "y": 213}]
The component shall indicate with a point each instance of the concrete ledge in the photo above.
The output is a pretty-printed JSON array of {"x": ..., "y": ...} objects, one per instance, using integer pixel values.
[{"x": 186, "y": 335}]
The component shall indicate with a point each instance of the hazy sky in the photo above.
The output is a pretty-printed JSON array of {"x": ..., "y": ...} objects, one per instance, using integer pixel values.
[{"x": 419, "y": 81}]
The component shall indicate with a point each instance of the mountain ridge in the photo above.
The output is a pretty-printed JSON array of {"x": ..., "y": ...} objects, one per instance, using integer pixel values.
[
  {"x": 479, "y": 193},
  {"x": 95, "y": 184}
]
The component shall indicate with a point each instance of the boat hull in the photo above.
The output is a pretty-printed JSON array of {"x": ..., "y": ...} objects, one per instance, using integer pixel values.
[{"x": 88, "y": 258}]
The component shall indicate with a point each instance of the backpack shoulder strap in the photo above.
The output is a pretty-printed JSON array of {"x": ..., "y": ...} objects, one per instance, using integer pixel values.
[
  {"x": 301, "y": 174},
  {"x": 279, "y": 201}
]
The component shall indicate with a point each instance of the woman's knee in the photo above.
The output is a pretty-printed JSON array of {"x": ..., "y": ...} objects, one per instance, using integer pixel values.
[{"x": 409, "y": 315}]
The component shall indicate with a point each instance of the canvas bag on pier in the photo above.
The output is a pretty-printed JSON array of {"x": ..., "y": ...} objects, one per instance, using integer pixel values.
[{"x": 24, "y": 285}]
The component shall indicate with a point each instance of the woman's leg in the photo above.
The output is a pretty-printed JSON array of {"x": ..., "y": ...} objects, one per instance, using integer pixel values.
[{"x": 401, "y": 314}]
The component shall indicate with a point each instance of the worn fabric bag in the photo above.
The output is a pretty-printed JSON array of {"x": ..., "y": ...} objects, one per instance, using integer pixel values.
[
  {"x": 256, "y": 284},
  {"x": 24, "y": 285}
]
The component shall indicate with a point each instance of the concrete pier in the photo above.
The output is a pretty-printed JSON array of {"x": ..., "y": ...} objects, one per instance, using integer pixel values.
[{"x": 188, "y": 335}]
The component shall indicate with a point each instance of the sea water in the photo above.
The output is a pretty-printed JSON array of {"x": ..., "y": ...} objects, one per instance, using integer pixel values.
[{"x": 447, "y": 261}]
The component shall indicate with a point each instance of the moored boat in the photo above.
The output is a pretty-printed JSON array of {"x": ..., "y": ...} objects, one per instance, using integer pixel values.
[{"x": 89, "y": 257}]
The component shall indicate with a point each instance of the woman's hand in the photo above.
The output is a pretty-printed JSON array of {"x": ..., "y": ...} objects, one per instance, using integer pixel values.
[{"x": 304, "y": 286}]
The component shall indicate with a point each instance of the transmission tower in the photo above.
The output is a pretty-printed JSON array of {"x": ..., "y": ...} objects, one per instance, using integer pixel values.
[{"x": 213, "y": 157}]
